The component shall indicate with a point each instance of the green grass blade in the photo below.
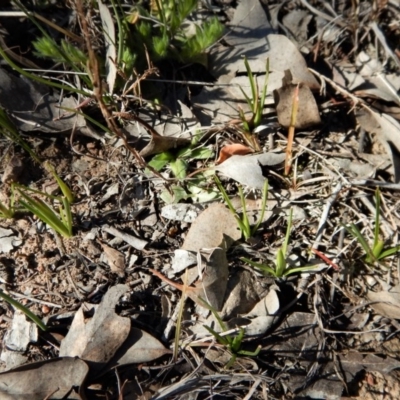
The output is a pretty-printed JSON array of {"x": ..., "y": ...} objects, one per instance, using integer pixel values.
[
  {"x": 245, "y": 219},
  {"x": 6, "y": 212},
  {"x": 377, "y": 212},
  {"x": 262, "y": 267},
  {"x": 280, "y": 264},
  {"x": 389, "y": 252},
  {"x": 221, "y": 339},
  {"x": 24, "y": 309},
  {"x": 63, "y": 186},
  {"x": 287, "y": 236},
  {"x": 248, "y": 99},
  {"x": 44, "y": 213},
  {"x": 263, "y": 207},
  {"x": 8, "y": 129},
  {"x": 225, "y": 195},
  {"x": 253, "y": 85},
  {"x": 297, "y": 270},
  {"x": 353, "y": 230}
]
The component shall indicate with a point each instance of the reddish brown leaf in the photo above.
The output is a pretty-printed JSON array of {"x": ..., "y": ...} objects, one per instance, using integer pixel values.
[{"x": 231, "y": 150}]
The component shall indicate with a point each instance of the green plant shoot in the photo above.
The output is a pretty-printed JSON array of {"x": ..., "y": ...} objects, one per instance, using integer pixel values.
[
  {"x": 242, "y": 219},
  {"x": 60, "y": 221},
  {"x": 232, "y": 343},
  {"x": 24, "y": 309},
  {"x": 282, "y": 268},
  {"x": 376, "y": 253}
]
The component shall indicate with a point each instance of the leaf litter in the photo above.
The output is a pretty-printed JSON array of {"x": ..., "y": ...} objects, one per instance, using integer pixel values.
[{"x": 330, "y": 329}]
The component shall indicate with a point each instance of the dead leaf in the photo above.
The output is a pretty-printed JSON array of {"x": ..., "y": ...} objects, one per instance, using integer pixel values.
[
  {"x": 214, "y": 227},
  {"x": 307, "y": 114},
  {"x": 115, "y": 259},
  {"x": 98, "y": 338},
  {"x": 248, "y": 25},
  {"x": 34, "y": 107},
  {"x": 262, "y": 317},
  {"x": 386, "y": 303},
  {"x": 211, "y": 286},
  {"x": 139, "y": 347},
  {"x": 159, "y": 144},
  {"x": 109, "y": 40},
  {"x": 386, "y": 129},
  {"x": 167, "y": 131},
  {"x": 244, "y": 291},
  {"x": 233, "y": 149},
  {"x": 371, "y": 362},
  {"x": 247, "y": 170},
  {"x": 296, "y": 23},
  {"x": 183, "y": 259},
  {"x": 57, "y": 378}
]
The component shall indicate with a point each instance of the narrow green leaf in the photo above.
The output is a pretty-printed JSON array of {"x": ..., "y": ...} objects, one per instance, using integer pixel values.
[
  {"x": 389, "y": 252},
  {"x": 262, "y": 267},
  {"x": 353, "y": 230},
  {"x": 298, "y": 270},
  {"x": 263, "y": 207},
  {"x": 288, "y": 229},
  {"x": 221, "y": 339},
  {"x": 24, "y": 309},
  {"x": 377, "y": 212},
  {"x": 237, "y": 341},
  {"x": 280, "y": 263}
]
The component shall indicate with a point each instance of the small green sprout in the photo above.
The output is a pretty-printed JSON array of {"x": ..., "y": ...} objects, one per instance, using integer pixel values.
[
  {"x": 178, "y": 161},
  {"x": 232, "y": 343},
  {"x": 24, "y": 309},
  {"x": 375, "y": 254},
  {"x": 282, "y": 268},
  {"x": 7, "y": 212},
  {"x": 256, "y": 104},
  {"x": 243, "y": 220},
  {"x": 60, "y": 221},
  {"x": 10, "y": 131}
]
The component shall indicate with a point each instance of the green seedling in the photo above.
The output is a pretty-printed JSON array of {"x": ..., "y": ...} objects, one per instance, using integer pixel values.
[
  {"x": 60, "y": 221},
  {"x": 7, "y": 212},
  {"x": 178, "y": 163},
  {"x": 242, "y": 219},
  {"x": 377, "y": 252},
  {"x": 24, "y": 309},
  {"x": 282, "y": 268},
  {"x": 10, "y": 131},
  {"x": 256, "y": 104},
  {"x": 232, "y": 343},
  {"x": 58, "y": 216}
]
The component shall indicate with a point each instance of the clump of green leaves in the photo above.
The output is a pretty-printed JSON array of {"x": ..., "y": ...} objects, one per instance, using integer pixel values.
[
  {"x": 282, "y": 267},
  {"x": 256, "y": 104},
  {"x": 178, "y": 162},
  {"x": 375, "y": 252},
  {"x": 242, "y": 219},
  {"x": 232, "y": 343},
  {"x": 57, "y": 215},
  {"x": 164, "y": 31}
]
